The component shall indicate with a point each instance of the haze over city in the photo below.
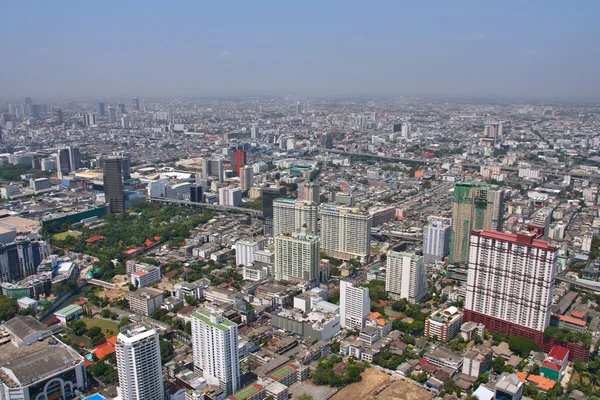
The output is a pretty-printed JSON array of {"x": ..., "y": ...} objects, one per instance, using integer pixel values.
[{"x": 513, "y": 49}]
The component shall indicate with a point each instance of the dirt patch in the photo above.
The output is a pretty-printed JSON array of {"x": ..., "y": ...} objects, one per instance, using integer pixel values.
[
  {"x": 113, "y": 294},
  {"x": 377, "y": 385}
]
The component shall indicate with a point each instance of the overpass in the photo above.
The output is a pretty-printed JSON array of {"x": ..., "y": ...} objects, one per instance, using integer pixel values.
[
  {"x": 208, "y": 207},
  {"x": 578, "y": 283},
  {"x": 98, "y": 282}
]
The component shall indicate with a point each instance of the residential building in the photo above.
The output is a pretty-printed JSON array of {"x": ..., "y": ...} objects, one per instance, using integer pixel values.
[
  {"x": 145, "y": 300},
  {"x": 138, "y": 364},
  {"x": 510, "y": 283},
  {"x": 246, "y": 178},
  {"x": 444, "y": 324},
  {"x": 476, "y": 206},
  {"x": 477, "y": 361},
  {"x": 345, "y": 232},
  {"x": 145, "y": 275},
  {"x": 309, "y": 191},
  {"x": 89, "y": 119},
  {"x": 215, "y": 345},
  {"x": 436, "y": 238},
  {"x": 289, "y": 216},
  {"x": 355, "y": 305},
  {"x": 405, "y": 276},
  {"x": 269, "y": 194},
  {"x": 193, "y": 289},
  {"x": 297, "y": 257},
  {"x": 508, "y": 387},
  {"x": 113, "y": 184},
  {"x": 244, "y": 252},
  {"x": 230, "y": 196}
]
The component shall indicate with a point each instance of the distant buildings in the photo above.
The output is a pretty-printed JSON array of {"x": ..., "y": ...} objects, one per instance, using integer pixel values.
[
  {"x": 345, "y": 232},
  {"x": 355, "y": 305},
  {"x": 238, "y": 160},
  {"x": 113, "y": 184},
  {"x": 405, "y": 276},
  {"x": 246, "y": 178},
  {"x": 289, "y": 216},
  {"x": 215, "y": 345},
  {"x": 297, "y": 257},
  {"x": 89, "y": 119},
  {"x": 138, "y": 364},
  {"x": 269, "y": 194},
  {"x": 475, "y": 206},
  {"x": 510, "y": 284},
  {"x": 436, "y": 238}
]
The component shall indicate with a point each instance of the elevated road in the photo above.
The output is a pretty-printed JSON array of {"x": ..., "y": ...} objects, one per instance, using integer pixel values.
[
  {"x": 208, "y": 207},
  {"x": 580, "y": 284}
]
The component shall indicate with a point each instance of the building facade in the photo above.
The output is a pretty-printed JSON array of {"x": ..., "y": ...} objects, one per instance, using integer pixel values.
[
  {"x": 355, "y": 305},
  {"x": 297, "y": 257},
  {"x": 345, "y": 232},
  {"x": 436, "y": 238},
  {"x": 405, "y": 276},
  {"x": 290, "y": 216},
  {"x": 113, "y": 184}
]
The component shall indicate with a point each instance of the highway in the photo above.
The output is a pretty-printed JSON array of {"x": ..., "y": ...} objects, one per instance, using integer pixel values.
[
  {"x": 209, "y": 207},
  {"x": 586, "y": 286}
]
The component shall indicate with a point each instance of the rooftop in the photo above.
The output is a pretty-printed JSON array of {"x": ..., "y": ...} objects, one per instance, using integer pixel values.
[
  {"x": 68, "y": 310},
  {"x": 205, "y": 316},
  {"x": 521, "y": 239},
  {"x": 22, "y": 327}
]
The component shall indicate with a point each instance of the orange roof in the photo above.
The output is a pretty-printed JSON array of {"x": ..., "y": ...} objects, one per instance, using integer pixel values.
[
  {"x": 522, "y": 376},
  {"x": 541, "y": 382},
  {"x": 571, "y": 320},
  {"x": 106, "y": 348},
  {"x": 139, "y": 273},
  {"x": 373, "y": 315},
  {"x": 577, "y": 314},
  {"x": 381, "y": 322}
]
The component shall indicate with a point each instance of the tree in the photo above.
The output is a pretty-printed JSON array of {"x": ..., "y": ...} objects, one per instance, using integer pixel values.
[
  {"x": 191, "y": 300},
  {"x": 166, "y": 350},
  {"x": 352, "y": 373},
  {"x": 249, "y": 364},
  {"x": 421, "y": 378},
  {"x": 535, "y": 370},
  {"x": 124, "y": 321},
  {"x": 335, "y": 347},
  {"x": 8, "y": 308},
  {"x": 522, "y": 346},
  {"x": 498, "y": 365},
  {"x": 79, "y": 327},
  {"x": 305, "y": 397},
  {"x": 105, "y": 313}
]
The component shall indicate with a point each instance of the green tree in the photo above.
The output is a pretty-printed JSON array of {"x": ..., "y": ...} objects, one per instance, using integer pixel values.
[
  {"x": 166, "y": 350},
  {"x": 8, "y": 308},
  {"x": 335, "y": 347},
  {"x": 79, "y": 327},
  {"x": 124, "y": 321},
  {"x": 498, "y": 365}
]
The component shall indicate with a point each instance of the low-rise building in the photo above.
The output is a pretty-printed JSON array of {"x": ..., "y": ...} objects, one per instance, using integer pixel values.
[
  {"x": 477, "y": 360},
  {"x": 145, "y": 300},
  {"x": 442, "y": 357},
  {"x": 444, "y": 324},
  {"x": 69, "y": 313}
]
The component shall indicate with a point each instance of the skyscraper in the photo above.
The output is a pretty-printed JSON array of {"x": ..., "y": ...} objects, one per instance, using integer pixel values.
[
  {"x": 121, "y": 108},
  {"x": 112, "y": 114},
  {"x": 476, "y": 206},
  {"x": 297, "y": 257},
  {"x": 510, "y": 283},
  {"x": 309, "y": 191},
  {"x": 246, "y": 178},
  {"x": 215, "y": 345},
  {"x": 196, "y": 194},
  {"x": 126, "y": 122},
  {"x": 126, "y": 156},
  {"x": 298, "y": 108},
  {"x": 138, "y": 364},
  {"x": 290, "y": 216},
  {"x": 59, "y": 116},
  {"x": 238, "y": 160},
  {"x": 63, "y": 162},
  {"x": 101, "y": 109},
  {"x": 327, "y": 140},
  {"x": 113, "y": 183},
  {"x": 74, "y": 158},
  {"x": 355, "y": 305},
  {"x": 345, "y": 232},
  {"x": 36, "y": 111},
  {"x": 136, "y": 103},
  {"x": 254, "y": 132},
  {"x": 89, "y": 119},
  {"x": 436, "y": 238},
  {"x": 405, "y": 276},
  {"x": 269, "y": 194}
]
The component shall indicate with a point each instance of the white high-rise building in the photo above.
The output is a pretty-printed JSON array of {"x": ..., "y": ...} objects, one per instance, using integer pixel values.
[
  {"x": 355, "y": 305},
  {"x": 254, "y": 132},
  {"x": 138, "y": 364},
  {"x": 345, "y": 232},
  {"x": 309, "y": 191},
  {"x": 126, "y": 122},
  {"x": 405, "y": 276},
  {"x": 297, "y": 257},
  {"x": 246, "y": 177},
  {"x": 436, "y": 238},
  {"x": 215, "y": 344},
  {"x": 406, "y": 130},
  {"x": 244, "y": 252},
  {"x": 290, "y": 216},
  {"x": 230, "y": 196},
  {"x": 510, "y": 282},
  {"x": 89, "y": 119}
]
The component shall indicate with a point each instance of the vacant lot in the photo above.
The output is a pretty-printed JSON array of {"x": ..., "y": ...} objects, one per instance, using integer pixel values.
[
  {"x": 109, "y": 328},
  {"x": 377, "y": 385},
  {"x": 113, "y": 294}
]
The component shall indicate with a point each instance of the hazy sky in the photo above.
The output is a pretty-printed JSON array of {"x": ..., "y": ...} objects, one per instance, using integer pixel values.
[{"x": 143, "y": 48}]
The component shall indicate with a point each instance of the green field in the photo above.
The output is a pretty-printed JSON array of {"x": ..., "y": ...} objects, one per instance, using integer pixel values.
[
  {"x": 64, "y": 235},
  {"x": 106, "y": 326},
  {"x": 283, "y": 371},
  {"x": 246, "y": 392}
]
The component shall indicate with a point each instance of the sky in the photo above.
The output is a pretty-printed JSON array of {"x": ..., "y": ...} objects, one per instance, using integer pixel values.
[{"x": 507, "y": 49}]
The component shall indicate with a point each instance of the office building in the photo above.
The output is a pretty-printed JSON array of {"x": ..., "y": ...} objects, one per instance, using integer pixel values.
[
  {"x": 298, "y": 108},
  {"x": 20, "y": 257},
  {"x": 126, "y": 122},
  {"x": 355, "y": 305},
  {"x": 59, "y": 116},
  {"x": 510, "y": 283},
  {"x": 138, "y": 364},
  {"x": 35, "y": 365},
  {"x": 476, "y": 206},
  {"x": 63, "y": 162},
  {"x": 113, "y": 183},
  {"x": 112, "y": 114},
  {"x": 238, "y": 160},
  {"x": 289, "y": 216},
  {"x": 436, "y": 239},
  {"x": 74, "y": 158},
  {"x": 121, "y": 108},
  {"x": 254, "y": 132},
  {"x": 101, "y": 109},
  {"x": 327, "y": 140},
  {"x": 142, "y": 274},
  {"x": 246, "y": 178},
  {"x": 196, "y": 194},
  {"x": 136, "y": 103},
  {"x": 126, "y": 160},
  {"x": 36, "y": 111},
  {"x": 345, "y": 232},
  {"x": 230, "y": 196},
  {"x": 145, "y": 300},
  {"x": 444, "y": 324},
  {"x": 89, "y": 119},
  {"x": 39, "y": 184},
  {"x": 269, "y": 194},
  {"x": 297, "y": 257},
  {"x": 309, "y": 191},
  {"x": 215, "y": 345},
  {"x": 405, "y": 276}
]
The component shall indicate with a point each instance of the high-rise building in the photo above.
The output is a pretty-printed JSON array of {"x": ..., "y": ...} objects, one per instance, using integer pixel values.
[
  {"x": 269, "y": 194},
  {"x": 476, "y": 206},
  {"x": 138, "y": 364},
  {"x": 345, "y": 232},
  {"x": 215, "y": 345},
  {"x": 126, "y": 156},
  {"x": 136, "y": 103},
  {"x": 309, "y": 191},
  {"x": 246, "y": 178},
  {"x": 244, "y": 252},
  {"x": 113, "y": 183},
  {"x": 238, "y": 160},
  {"x": 327, "y": 140},
  {"x": 126, "y": 122},
  {"x": 74, "y": 158},
  {"x": 297, "y": 257},
  {"x": 36, "y": 111},
  {"x": 28, "y": 101},
  {"x": 59, "y": 116},
  {"x": 510, "y": 283},
  {"x": 121, "y": 108},
  {"x": 63, "y": 162},
  {"x": 101, "y": 108},
  {"x": 436, "y": 238},
  {"x": 254, "y": 132},
  {"x": 290, "y": 216},
  {"x": 20, "y": 258},
  {"x": 406, "y": 130},
  {"x": 355, "y": 305},
  {"x": 230, "y": 196},
  {"x": 298, "y": 108},
  {"x": 112, "y": 114},
  {"x": 89, "y": 119},
  {"x": 196, "y": 194},
  {"x": 405, "y": 276}
]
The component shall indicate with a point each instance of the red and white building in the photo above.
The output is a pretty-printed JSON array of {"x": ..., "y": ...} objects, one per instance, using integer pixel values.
[{"x": 510, "y": 283}]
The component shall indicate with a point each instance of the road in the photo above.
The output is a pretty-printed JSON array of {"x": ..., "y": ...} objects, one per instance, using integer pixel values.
[{"x": 209, "y": 207}]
